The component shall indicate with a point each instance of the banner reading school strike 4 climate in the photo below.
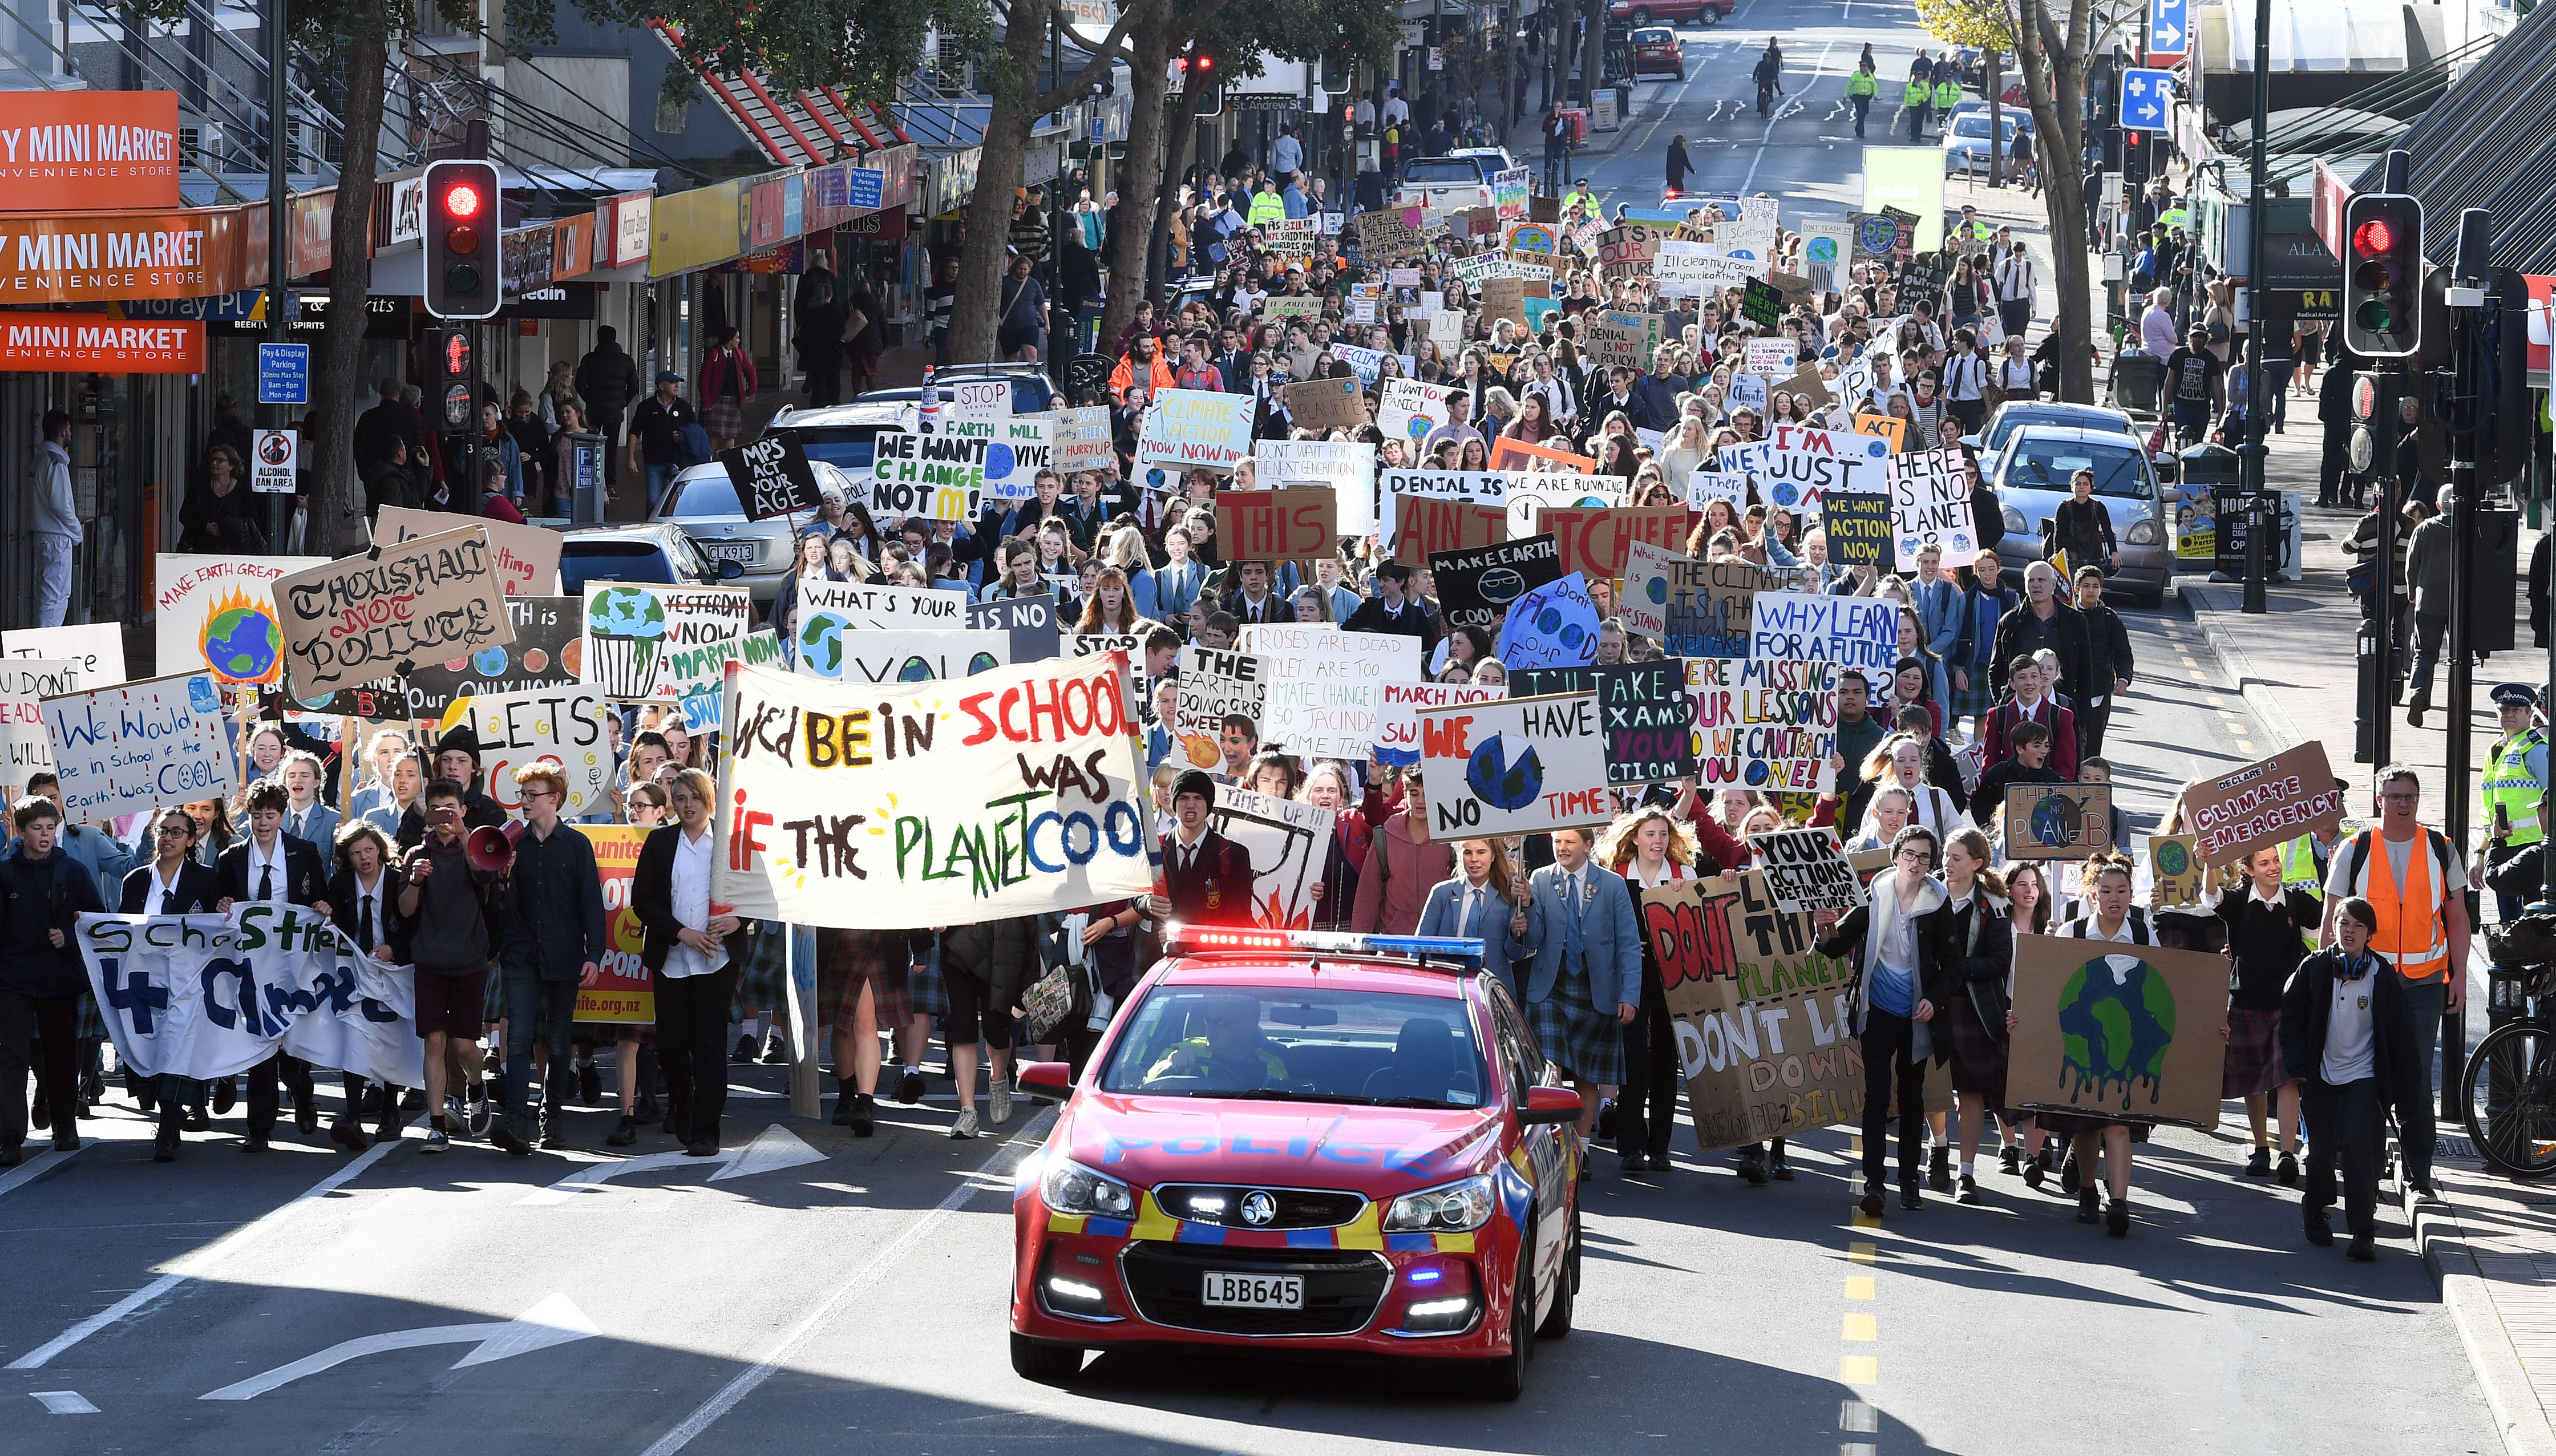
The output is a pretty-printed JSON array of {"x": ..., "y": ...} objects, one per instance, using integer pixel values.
[{"x": 1012, "y": 792}]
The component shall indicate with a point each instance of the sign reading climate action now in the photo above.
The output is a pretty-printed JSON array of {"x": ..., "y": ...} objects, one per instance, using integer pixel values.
[{"x": 1014, "y": 792}]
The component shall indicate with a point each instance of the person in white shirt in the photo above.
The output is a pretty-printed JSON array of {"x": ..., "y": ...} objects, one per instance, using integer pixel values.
[
  {"x": 2015, "y": 282},
  {"x": 688, "y": 954},
  {"x": 305, "y": 817},
  {"x": 363, "y": 889}
]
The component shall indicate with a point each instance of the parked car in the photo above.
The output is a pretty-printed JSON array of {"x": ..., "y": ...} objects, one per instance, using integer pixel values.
[
  {"x": 2033, "y": 478},
  {"x": 1966, "y": 140},
  {"x": 2015, "y": 414},
  {"x": 702, "y": 502},
  {"x": 1461, "y": 179},
  {"x": 652, "y": 551},
  {"x": 1700, "y": 12},
  {"x": 843, "y": 436},
  {"x": 1658, "y": 51}
]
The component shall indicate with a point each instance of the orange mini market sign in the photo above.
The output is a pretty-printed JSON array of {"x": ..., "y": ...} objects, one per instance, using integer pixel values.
[
  {"x": 80, "y": 343},
  {"x": 79, "y": 151}
]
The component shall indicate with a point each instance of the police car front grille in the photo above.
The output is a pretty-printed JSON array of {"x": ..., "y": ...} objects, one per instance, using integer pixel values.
[{"x": 1221, "y": 1204}]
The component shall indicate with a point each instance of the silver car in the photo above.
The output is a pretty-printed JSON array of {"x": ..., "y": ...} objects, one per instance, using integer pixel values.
[
  {"x": 702, "y": 502},
  {"x": 2033, "y": 478}
]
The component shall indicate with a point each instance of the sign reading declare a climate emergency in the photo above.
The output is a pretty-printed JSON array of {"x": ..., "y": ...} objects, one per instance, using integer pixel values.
[{"x": 2263, "y": 804}]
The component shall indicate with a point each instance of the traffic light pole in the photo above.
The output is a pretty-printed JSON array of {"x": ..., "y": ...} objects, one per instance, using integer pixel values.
[
  {"x": 2259, "y": 522},
  {"x": 2458, "y": 393},
  {"x": 279, "y": 260}
]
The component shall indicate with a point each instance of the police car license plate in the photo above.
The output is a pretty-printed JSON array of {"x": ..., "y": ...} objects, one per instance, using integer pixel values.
[{"x": 1254, "y": 1292}]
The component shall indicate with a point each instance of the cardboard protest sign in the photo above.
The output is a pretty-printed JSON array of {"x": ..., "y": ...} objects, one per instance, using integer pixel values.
[
  {"x": 213, "y": 995},
  {"x": 1643, "y": 604},
  {"x": 2175, "y": 872},
  {"x": 1859, "y": 635},
  {"x": 1704, "y": 487},
  {"x": 1515, "y": 765},
  {"x": 662, "y": 644},
  {"x": 1763, "y": 724},
  {"x": 1325, "y": 693},
  {"x": 1645, "y": 711},
  {"x": 562, "y": 724},
  {"x": 1290, "y": 844},
  {"x": 1028, "y": 622},
  {"x": 1858, "y": 527},
  {"x": 1686, "y": 270},
  {"x": 772, "y": 476},
  {"x": 1794, "y": 289},
  {"x": 1383, "y": 234},
  {"x": 1277, "y": 525},
  {"x": 1608, "y": 339},
  {"x": 1883, "y": 427},
  {"x": 138, "y": 745},
  {"x": 2111, "y": 1030},
  {"x": 1764, "y": 1033},
  {"x": 2057, "y": 821},
  {"x": 939, "y": 477},
  {"x": 546, "y": 651},
  {"x": 1930, "y": 505},
  {"x": 26, "y": 744},
  {"x": 1887, "y": 234},
  {"x": 1802, "y": 464},
  {"x": 1806, "y": 870},
  {"x": 527, "y": 557},
  {"x": 217, "y": 611},
  {"x": 1552, "y": 625},
  {"x": 95, "y": 648},
  {"x": 622, "y": 990},
  {"x": 1808, "y": 385},
  {"x": 367, "y": 616},
  {"x": 1216, "y": 686},
  {"x": 1593, "y": 541},
  {"x": 1424, "y": 511},
  {"x": 1475, "y": 587},
  {"x": 1082, "y": 441},
  {"x": 1197, "y": 429},
  {"x": 904, "y": 654},
  {"x": 1504, "y": 298},
  {"x": 1279, "y": 306},
  {"x": 1397, "y": 742},
  {"x": 983, "y": 811},
  {"x": 1709, "y": 606},
  {"x": 1409, "y": 409},
  {"x": 1626, "y": 251},
  {"x": 1346, "y": 467},
  {"x": 1326, "y": 404},
  {"x": 2265, "y": 803},
  {"x": 1509, "y": 453}
]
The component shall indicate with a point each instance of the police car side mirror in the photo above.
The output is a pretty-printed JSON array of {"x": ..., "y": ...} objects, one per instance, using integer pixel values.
[
  {"x": 1550, "y": 1107},
  {"x": 1056, "y": 1079}
]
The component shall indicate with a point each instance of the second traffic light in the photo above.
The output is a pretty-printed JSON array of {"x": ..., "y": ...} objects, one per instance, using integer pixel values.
[
  {"x": 462, "y": 272},
  {"x": 2382, "y": 275}
]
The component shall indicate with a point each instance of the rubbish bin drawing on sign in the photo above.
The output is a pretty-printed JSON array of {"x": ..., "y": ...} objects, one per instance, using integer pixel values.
[
  {"x": 626, "y": 624},
  {"x": 2115, "y": 1024}
]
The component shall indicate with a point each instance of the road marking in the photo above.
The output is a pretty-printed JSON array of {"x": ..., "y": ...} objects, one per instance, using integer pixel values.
[
  {"x": 1858, "y": 1286},
  {"x": 1862, "y": 1328},
  {"x": 1861, "y": 1253},
  {"x": 774, "y": 1148},
  {"x": 1858, "y": 1417},
  {"x": 65, "y": 1402},
  {"x": 1817, "y": 69},
  {"x": 748, "y": 1379},
  {"x": 1859, "y": 1370},
  {"x": 195, "y": 1265},
  {"x": 555, "y": 1321},
  {"x": 39, "y": 1164}
]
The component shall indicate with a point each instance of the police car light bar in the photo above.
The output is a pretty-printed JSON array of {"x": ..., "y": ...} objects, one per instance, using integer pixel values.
[{"x": 1442, "y": 949}]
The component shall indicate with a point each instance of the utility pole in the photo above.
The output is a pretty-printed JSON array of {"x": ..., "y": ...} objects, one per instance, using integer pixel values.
[
  {"x": 2458, "y": 390},
  {"x": 2259, "y": 521},
  {"x": 279, "y": 252}
]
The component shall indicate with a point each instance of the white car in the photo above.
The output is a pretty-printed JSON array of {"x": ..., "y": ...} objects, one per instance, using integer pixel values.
[{"x": 1461, "y": 179}]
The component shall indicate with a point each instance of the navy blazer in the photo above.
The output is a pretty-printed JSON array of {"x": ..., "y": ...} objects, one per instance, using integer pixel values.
[
  {"x": 1502, "y": 951},
  {"x": 305, "y": 875},
  {"x": 199, "y": 891},
  {"x": 1610, "y": 935}
]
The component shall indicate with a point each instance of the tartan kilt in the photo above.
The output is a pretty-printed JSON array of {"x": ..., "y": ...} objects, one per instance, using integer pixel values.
[
  {"x": 1572, "y": 1035},
  {"x": 92, "y": 1025},
  {"x": 926, "y": 994},
  {"x": 846, "y": 960},
  {"x": 763, "y": 977},
  {"x": 1977, "y": 1059},
  {"x": 2253, "y": 1066},
  {"x": 723, "y": 420},
  {"x": 1973, "y": 701}
]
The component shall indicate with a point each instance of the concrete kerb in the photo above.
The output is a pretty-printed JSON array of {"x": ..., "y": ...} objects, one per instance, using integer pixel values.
[
  {"x": 2239, "y": 667},
  {"x": 2508, "y": 1393}
]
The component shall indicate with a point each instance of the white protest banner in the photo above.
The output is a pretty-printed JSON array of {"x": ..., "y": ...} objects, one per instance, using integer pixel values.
[
  {"x": 1802, "y": 462},
  {"x": 216, "y": 611},
  {"x": 1703, "y": 487},
  {"x": 1447, "y": 329},
  {"x": 1409, "y": 409},
  {"x": 1345, "y": 466},
  {"x": 1763, "y": 724},
  {"x": 1772, "y": 357},
  {"x": 138, "y": 745},
  {"x": 1748, "y": 391},
  {"x": 1367, "y": 364},
  {"x": 1216, "y": 686},
  {"x": 902, "y": 654},
  {"x": 388, "y": 610},
  {"x": 1930, "y": 505},
  {"x": 1197, "y": 429},
  {"x": 1514, "y": 765},
  {"x": 1749, "y": 240},
  {"x": 562, "y": 724},
  {"x": 95, "y": 648},
  {"x": 978, "y": 400},
  {"x": 26, "y": 744},
  {"x": 1012, "y": 793},
  {"x": 213, "y": 995},
  {"x": 1289, "y": 842},
  {"x": 1859, "y": 635},
  {"x": 1397, "y": 739},
  {"x": 660, "y": 643},
  {"x": 1473, "y": 487},
  {"x": 939, "y": 477},
  {"x": 1083, "y": 440},
  {"x": 527, "y": 557},
  {"x": 1806, "y": 870},
  {"x": 1532, "y": 492},
  {"x": 1017, "y": 448},
  {"x": 1326, "y": 691}
]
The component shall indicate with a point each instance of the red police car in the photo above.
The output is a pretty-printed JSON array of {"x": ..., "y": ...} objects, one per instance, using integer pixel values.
[{"x": 1309, "y": 1143}]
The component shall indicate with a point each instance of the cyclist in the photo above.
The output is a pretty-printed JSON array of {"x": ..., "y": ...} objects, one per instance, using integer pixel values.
[{"x": 1770, "y": 76}]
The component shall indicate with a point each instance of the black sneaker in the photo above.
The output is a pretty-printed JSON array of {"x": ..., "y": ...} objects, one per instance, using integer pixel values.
[
  {"x": 1910, "y": 1198},
  {"x": 1969, "y": 1193},
  {"x": 2288, "y": 1176},
  {"x": 306, "y": 1118},
  {"x": 2010, "y": 1160},
  {"x": 2363, "y": 1249},
  {"x": 589, "y": 1083},
  {"x": 412, "y": 1100},
  {"x": 502, "y": 1132},
  {"x": 2117, "y": 1218},
  {"x": 164, "y": 1148},
  {"x": 2090, "y": 1208},
  {"x": 1871, "y": 1201},
  {"x": 555, "y": 1134},
  {"x": 2071, "y": 1176},
  {"x": 864, "y": 1115},
  {"x": 347, "y": 1134},
  {"x": 843, "y": 1109},
  {"x": 1753, "y": 1166},
  {"x": 1939, "y": 1170},
  {"x": 744, "y": 1050},
  {"x": 1777, "y": 1167},
  {"x": 2319, "y": 1228},
  {"x": 623, "y": 1135},
  {"x": 909, "y": 1088},
  {"x": 776, "y": 1050}
]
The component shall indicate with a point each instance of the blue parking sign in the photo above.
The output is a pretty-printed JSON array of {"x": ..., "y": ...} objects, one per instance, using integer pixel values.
[
  {"x": 283, "y": 373},
  {"x": 2169, "y": 28},
  {"x": 2144, "y": 95}
]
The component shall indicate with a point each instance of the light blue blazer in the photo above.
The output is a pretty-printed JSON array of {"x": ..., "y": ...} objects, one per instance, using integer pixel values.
[
  {"x": 1610, "y": 936},
  {"x": 319, "y": 827},
  {"x": 1501, "y": 952}
]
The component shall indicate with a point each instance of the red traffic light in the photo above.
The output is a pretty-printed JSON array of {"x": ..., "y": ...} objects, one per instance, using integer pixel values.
[
  {"x": 462, "y": 200},
  {"x": 457, "y": 353},
  {"x": 1207, "y": 63},
  {"x": 2373, "y": 237}
]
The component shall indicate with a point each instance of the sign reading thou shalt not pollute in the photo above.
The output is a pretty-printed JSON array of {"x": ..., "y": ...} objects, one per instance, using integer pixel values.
[{"x": 395, "y": 607}]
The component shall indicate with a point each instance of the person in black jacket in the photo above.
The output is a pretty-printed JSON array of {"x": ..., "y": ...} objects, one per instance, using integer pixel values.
[
  {"x": 2348, "y": 1034},
  {"x": 171, "y": 882},
  {"x": 456, "y": 758},
  {"x": 1970, "y": 966},
  {"x": 2108, "y": 662},
  {"x": 454, "y": 918},
  {"x": 2083, "y": 528},
  {"x": 1390, "y": 609},
  {"x": 2269, "y": 929},
  {"x": 363, "y": 892},
  {"x": 273, "y": 866},
  {"x": 2044, "y": 619},
  {"x": 984, "y": 966},
  {"x": 42, "y": 894},
  {"x": 609, "y": 381},
  {"x": 693, "y": 954},
  {"x": 1889, "y": 1005},
  {"x": 554, "y": 942}
]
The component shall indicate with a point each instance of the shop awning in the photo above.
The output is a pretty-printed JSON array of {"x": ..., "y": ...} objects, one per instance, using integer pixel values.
[
  {"x": 791, "y": 129},
  {"x": 2490, "y": 142}
]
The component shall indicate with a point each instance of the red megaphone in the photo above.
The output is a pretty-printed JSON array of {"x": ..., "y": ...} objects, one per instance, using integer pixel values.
[{"x": 492, "y": 848}]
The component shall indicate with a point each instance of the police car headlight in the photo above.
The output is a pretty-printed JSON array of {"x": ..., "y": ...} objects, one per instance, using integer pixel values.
[
  {"x": 2143, "y": 533},
  {"x": 1070, "y": 1188},
  {"x": 1450, "y": 1208}
]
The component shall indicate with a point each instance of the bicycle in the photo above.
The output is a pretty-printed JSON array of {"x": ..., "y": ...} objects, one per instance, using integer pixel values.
[{"x": 2511, "y": 1080}]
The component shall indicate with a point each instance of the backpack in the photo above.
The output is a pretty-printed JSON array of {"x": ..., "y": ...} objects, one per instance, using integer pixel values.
[
  {"x": 691, "y": 444},
  {"x": 2438, "y": 842}
]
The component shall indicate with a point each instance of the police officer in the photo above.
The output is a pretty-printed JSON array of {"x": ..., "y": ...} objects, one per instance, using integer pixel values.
[
  {"x": 1948, "y": 91},
  {"x": 1916, "y": 98},
  {"x": 1861, "y": 88},
  {"x": 2515, "y": 779}
]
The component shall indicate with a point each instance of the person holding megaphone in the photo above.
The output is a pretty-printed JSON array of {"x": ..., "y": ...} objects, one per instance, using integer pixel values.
[{"x": 457, "y": 913}]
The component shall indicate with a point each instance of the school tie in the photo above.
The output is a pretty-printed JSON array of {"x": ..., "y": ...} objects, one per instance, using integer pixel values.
[
  {"x": 266, "y": 881},
  {"x": 169, "y": 902},
  {"x": 364, "y": 924},
  {"x": 1473, "y": 906},
  {"x": 1571, "y": 916}
]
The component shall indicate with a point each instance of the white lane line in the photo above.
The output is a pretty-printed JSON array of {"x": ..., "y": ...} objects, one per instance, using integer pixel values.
[
  {"x": 748, "y": 1379},
  {"x": 39, "y": 1165},
  {"x": 194, "y": 1265},
  {"x": 1817, "y": 69},
  {"x": 65, "y": 1402}
]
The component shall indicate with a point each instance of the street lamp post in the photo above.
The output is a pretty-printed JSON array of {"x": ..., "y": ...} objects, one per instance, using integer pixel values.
[{"x": 2259, "y": 520}]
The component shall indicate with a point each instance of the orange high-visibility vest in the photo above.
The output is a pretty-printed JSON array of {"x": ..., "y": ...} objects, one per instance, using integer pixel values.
[{"x": 2411, "y": 935}]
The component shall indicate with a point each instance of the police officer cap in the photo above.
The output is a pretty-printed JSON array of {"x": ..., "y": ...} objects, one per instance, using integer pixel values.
[{"x": 2515, "y": 695}]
